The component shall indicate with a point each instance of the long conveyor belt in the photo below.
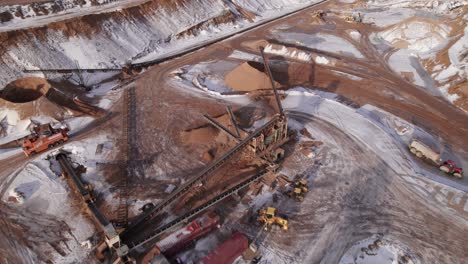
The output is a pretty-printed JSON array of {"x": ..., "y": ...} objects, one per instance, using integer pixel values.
[
  {"x": 68, "y": 169},
  {"x": 85, "y": 195},
  {"x": 157, "y": 232},
  {"x": 189, "y": 184}
]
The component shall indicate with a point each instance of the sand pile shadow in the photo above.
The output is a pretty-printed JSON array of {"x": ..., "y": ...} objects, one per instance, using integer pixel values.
[
  {"x": 25, "y": 90},
  {"x": 31, "y": 89}
]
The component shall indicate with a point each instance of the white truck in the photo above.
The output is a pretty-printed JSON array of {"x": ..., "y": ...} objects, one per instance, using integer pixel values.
[{"x": 421, "y": 150}]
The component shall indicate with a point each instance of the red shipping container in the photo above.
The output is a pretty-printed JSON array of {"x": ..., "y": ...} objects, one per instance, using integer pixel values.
[{"x": 228, "y": 251}]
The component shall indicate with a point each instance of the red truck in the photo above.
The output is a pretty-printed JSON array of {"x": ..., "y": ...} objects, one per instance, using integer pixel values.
[
  {"x": 44, "y": 137},
  {"x": 228, "y": 251},
  {"x": 184, "y": 237}
]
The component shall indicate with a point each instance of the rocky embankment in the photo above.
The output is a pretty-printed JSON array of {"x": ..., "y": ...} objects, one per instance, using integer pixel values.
[{"x": 112, "y": 38}]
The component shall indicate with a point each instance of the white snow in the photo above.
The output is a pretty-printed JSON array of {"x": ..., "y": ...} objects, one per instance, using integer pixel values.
[
  {"x": 170, "y": 188},
  {"x": 416, "y": 35},
  {"x": 355, "y": 34},
  {"x": 13, "y": 128},
  {"x": 458, "y": 59},
  {"x": 237, "y": 54},
  {"x": 385, "y": 18},
  {"x": 388, "y": 253},
  {"x": 299, "y": 55},
  {"x": 48, "y": 195},
  {"x": 84, "y": 152},
  {"x": 6, "y": 153},
  {"x": 400, "y": 61},
  {"x": 350, "y": 76},
  {"x": 321, "y": 60},
  {"x": 320, "y": 41},
  {"x": 447, "y": 73},
  {"x": 71, "y": 10},
  {"x": 451, "y": 97},
  {"x": 136, "y": 39},
  {"x": 351, "y": 121},
  {"x": 11, "y": 117},
  {"x": 438, "y": 6}
]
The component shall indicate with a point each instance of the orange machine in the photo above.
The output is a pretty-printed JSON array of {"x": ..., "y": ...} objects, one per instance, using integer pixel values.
[{"x": 44, "y": 137}]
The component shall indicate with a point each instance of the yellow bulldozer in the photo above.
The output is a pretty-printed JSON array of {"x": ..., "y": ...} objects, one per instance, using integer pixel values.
[{"x": 268, "y": 217}]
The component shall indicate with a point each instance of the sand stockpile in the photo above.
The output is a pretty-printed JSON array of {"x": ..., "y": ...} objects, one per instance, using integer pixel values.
[
  {"x": 246, "y": 78},
  {"x": 34, "y": 97},
  {"x": 39, "y": 107},
  {"x": 208, "y": 140}
]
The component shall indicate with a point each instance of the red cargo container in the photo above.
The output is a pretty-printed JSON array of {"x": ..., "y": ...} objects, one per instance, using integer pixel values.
[
  {"x": 228, "y": 251},
  {"x": 183, "y": 237}
]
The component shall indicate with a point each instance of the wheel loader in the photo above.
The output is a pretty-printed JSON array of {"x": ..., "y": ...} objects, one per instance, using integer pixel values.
[
  {"x": 297, "y": 193},
  {"x": 268, "y": 217},
  {"x": 302, "y": 184},
  {"x": 299, "y": 190}
]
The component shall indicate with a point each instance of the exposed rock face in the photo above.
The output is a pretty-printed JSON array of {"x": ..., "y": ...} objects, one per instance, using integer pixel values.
[{"x": 112, "y": 38}]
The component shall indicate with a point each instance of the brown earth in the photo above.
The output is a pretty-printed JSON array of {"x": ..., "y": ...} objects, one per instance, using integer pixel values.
[
  {"x": 246, "y": 78},
  {"x": 25, "y": 90},
  {"x": 22, "y": 2}
]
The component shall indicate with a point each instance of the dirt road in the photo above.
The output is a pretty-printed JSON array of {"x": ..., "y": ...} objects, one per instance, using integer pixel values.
[{"x": 354, "y": 195}]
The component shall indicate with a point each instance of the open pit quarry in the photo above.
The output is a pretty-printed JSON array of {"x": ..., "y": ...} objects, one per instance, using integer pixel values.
[{"x": 233, "y": 131}]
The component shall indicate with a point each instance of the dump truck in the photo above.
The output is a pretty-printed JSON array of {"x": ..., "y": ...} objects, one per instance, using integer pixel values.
[
  {"x": 421, "y": 150},
  {"x": 44, "y": 137},
  {"x": 228, "y": 251},
  {"x": 268, "y": 216}
]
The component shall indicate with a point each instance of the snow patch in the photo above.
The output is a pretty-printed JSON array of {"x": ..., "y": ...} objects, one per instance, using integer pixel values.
[
  {"x": 283, "y": 51},
  {"x": 321, "y": 60},
  {"x": 417, "y": 36},
  {"x": 355, "y": 34},
  {"x": 374, "y": 250},
  {"x": 451, "y": 97},
  {"x": 47, "y": 195},
  {"x": 320, "y": 41}
]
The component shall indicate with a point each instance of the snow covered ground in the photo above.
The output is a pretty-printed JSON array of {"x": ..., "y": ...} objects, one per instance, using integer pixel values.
[
  {"x": 385, "y": 140},
  {"x": 420, "y": 37},
  {"x": 37, "y": 15},
  {"x": 436, "y": 5},
  {"x": 387, "y": 253},
  {"x": 320, "y": 41},
  {"x": 43, "y": 193}
]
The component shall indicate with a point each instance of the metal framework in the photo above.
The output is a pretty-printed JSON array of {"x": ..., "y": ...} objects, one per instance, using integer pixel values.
[{"x": 157, "y": 232}]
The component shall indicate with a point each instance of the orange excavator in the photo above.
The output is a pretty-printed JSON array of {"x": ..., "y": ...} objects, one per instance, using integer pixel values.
[{"x": 44, "y": 137}]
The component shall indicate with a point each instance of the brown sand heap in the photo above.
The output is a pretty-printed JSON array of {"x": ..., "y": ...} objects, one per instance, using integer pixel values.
[
  {"x": 34, "y": 96},
  {"x": 208, "y": 140},
  {"x": 246, "y": 78},
  {"x": 39, "y": 107},
  {"x": 25, "y": 90},
  {"x": 26, "y": 96}
]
